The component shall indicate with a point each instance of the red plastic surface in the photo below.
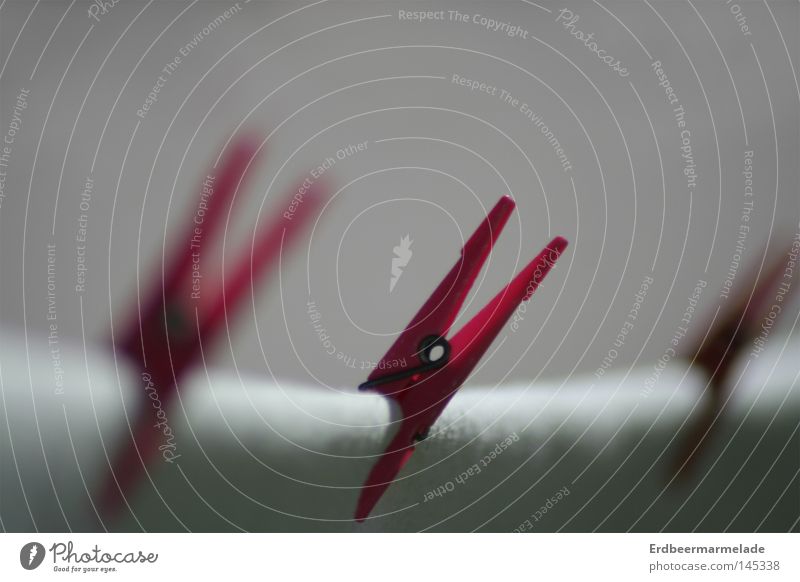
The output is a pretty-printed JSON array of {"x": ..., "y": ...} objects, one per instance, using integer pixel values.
[{"x": 424, "y": 396}]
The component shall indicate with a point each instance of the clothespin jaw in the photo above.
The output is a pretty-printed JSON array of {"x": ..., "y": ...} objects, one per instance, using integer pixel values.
[
  {"x": 175, "y": 325},
  {"x": 737, "y": 327},
  {"x": 432, "y": 322},
  {"x": 163, "y": 332},
  {"x": 438, "y": 366}
]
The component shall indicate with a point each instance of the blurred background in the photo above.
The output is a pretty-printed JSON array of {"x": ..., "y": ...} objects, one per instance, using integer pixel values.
[{"x": 659, "y": 138}]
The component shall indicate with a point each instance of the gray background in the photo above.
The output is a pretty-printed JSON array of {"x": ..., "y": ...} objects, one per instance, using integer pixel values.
[
  {"x": 313, "y": 78},
  {"x": 624, "y": 219}
]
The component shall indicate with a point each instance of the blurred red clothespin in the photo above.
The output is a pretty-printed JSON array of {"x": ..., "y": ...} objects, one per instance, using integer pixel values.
[
  {"x": 175, "y": 324},
  {"x": 738, "y": 327}
]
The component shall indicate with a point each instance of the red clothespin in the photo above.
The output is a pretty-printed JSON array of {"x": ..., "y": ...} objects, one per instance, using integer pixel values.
[
  {"x": 176, "y": 324},
  {"x": 729, "y": 337},
  {"x": 437, "y": 367}
]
